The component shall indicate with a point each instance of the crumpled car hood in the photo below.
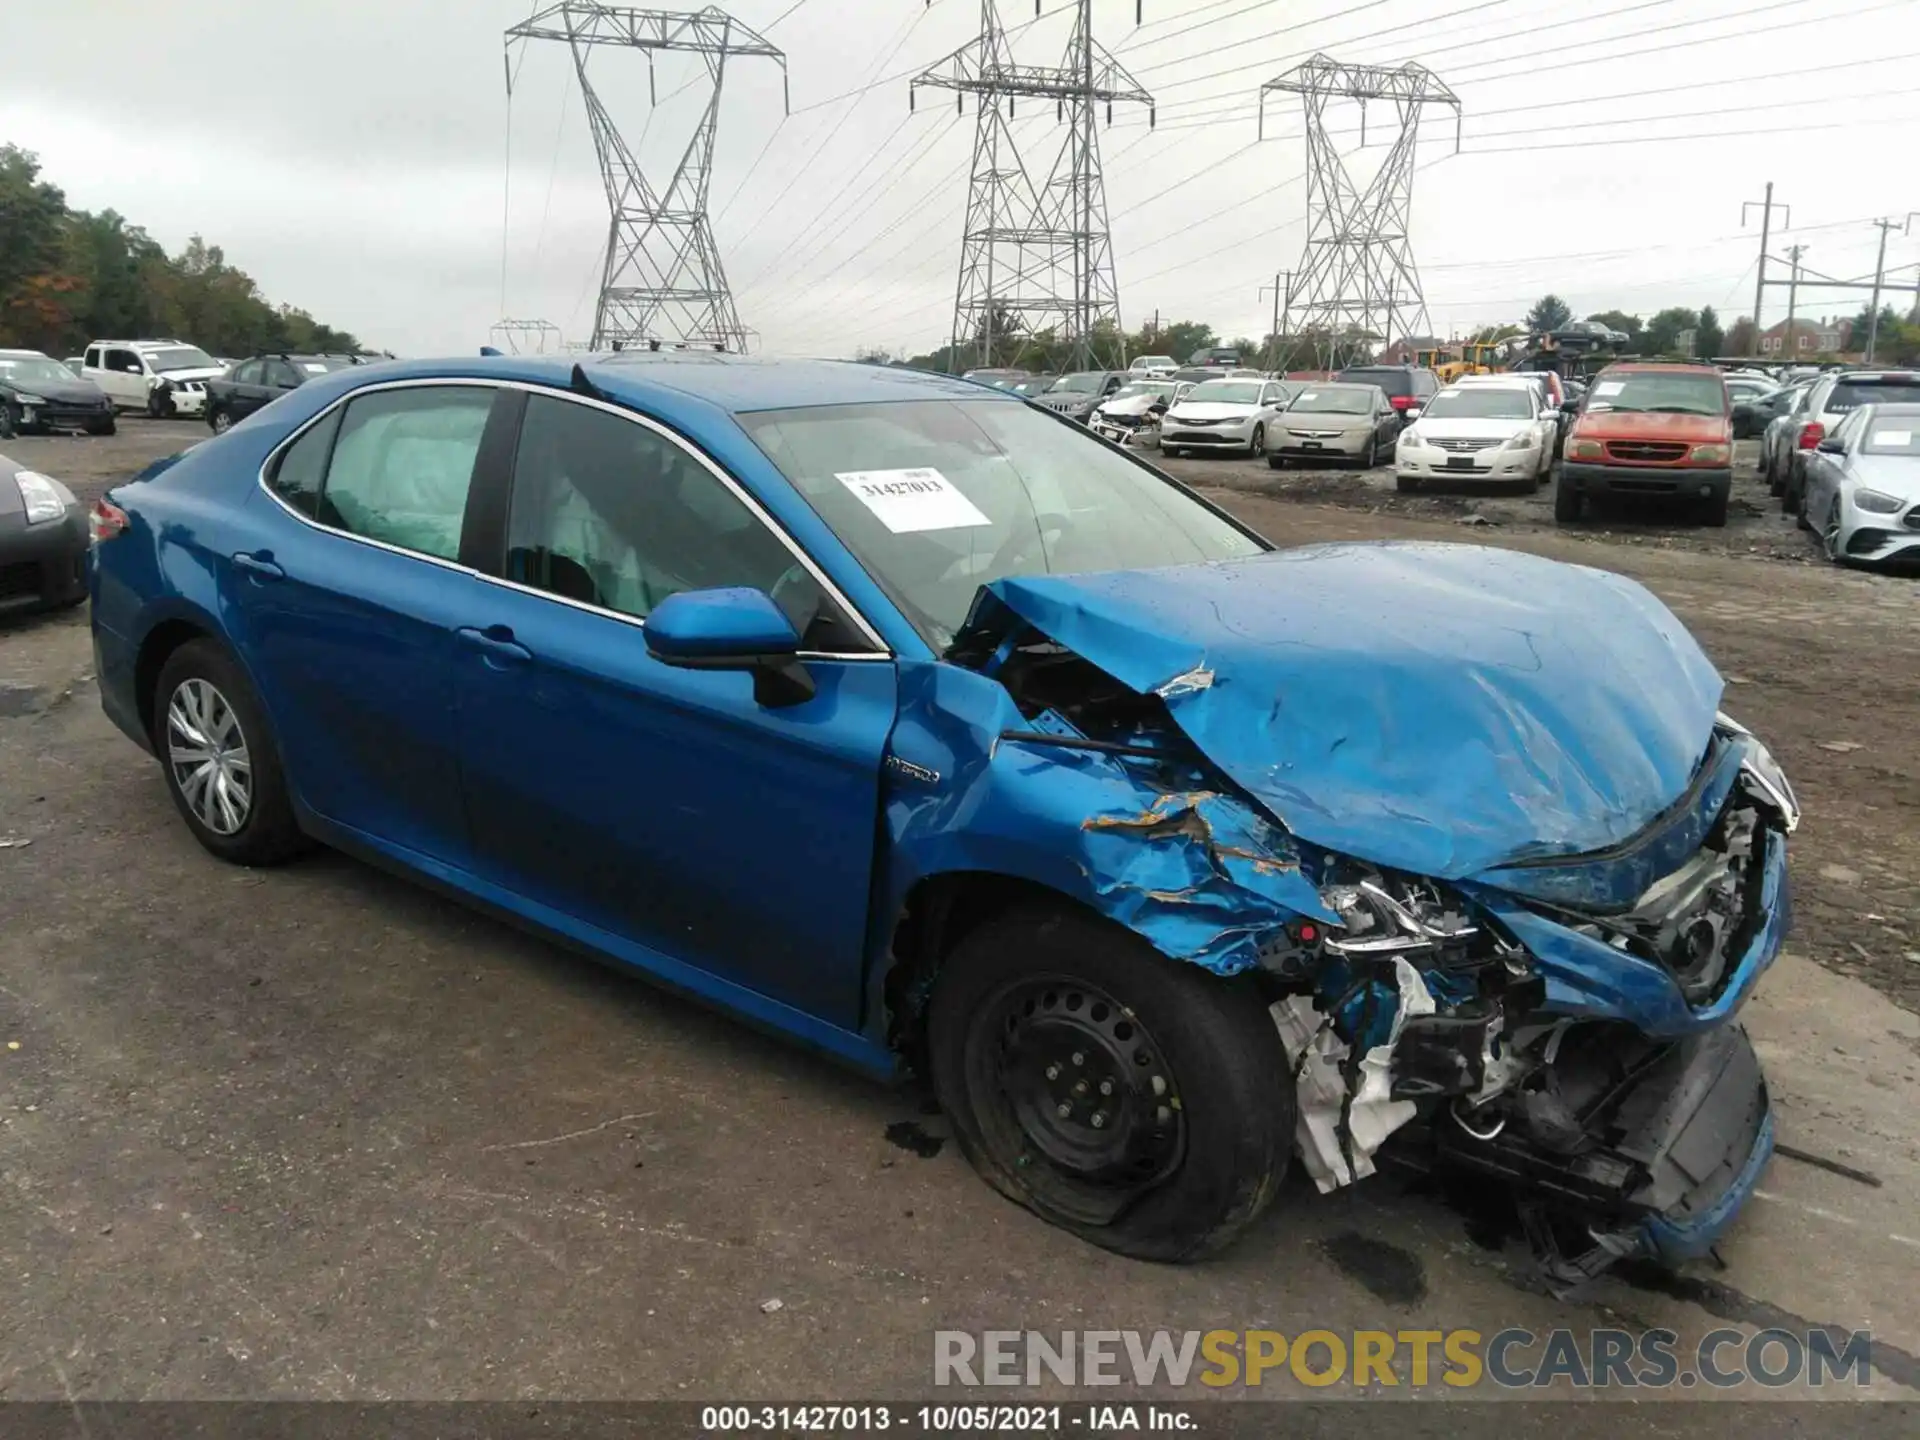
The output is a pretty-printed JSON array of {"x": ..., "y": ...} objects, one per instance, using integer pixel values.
[{"x": 1440, "y": 709}]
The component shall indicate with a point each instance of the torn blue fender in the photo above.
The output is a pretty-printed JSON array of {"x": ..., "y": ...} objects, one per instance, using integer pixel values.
[
  {"x": 1200, "y": 874},
  {"x": 1438, "y": 709}
]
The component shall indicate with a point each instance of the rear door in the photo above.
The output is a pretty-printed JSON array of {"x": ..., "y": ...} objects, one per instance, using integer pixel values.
[
  {"x": 349, "y": 595},
  {"x": 245, "y": 392},
  {"x": 664, "y": 806}
]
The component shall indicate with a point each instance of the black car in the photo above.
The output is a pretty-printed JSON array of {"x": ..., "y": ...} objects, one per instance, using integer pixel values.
[
  {"x": 38, "y": 393},
  {"x": 43, "y": 541},
  {"x": 1408, "y": 387},
  {"x": 263, "y": 379},
  {"x": 1215, "y": 356},
  {"x": 1075, "y": 395}
]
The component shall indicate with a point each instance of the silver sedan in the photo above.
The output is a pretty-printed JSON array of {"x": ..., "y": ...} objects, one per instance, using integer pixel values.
[{"x": 1863, "y": 486}]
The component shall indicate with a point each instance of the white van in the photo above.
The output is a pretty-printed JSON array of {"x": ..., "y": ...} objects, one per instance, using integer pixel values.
[{"x": 161, "y": 377}]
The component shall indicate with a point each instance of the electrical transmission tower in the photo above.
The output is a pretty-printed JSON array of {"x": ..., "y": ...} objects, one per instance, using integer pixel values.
[
  {"x": 1036, "y": 256},
  {"x": 662, "y": 270},
  {"x": 1356, "y": 279},
  {"x": 526, "y": 337}
]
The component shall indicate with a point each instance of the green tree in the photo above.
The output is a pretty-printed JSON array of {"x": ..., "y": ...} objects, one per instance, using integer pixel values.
[
  {"x": 1708, "y": 338},
  {"x": 37, "y": 290},
  {"x": 1627, "y": 325},
  {"x": 1550, "y": 313},
  {"x": 1663, "y": 331},
  {"x": 1740, "y": 338}
]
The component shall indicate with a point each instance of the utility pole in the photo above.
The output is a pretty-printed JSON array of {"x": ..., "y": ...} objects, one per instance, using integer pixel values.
[
  {"x": 1880, "y": 279},
  {"x": 662, "y": 267},
  {"x": 1760, "y": 283},
  {"x": 1281, "y": 280},
  {"x": 1794, "y": 252},
  {"x": 1036, "y": 248}
]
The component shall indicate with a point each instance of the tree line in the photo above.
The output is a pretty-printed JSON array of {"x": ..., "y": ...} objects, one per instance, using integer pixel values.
[{"x": 70, "y": 276}]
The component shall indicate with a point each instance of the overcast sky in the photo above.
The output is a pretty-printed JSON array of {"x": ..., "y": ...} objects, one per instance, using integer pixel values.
[{"x": 359, "y": 158}]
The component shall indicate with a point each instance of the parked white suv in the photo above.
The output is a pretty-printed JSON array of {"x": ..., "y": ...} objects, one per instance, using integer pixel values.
[{"x": 161, "y": 377}]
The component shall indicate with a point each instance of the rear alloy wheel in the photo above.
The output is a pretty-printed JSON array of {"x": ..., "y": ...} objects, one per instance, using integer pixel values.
[
  {"x": 1830, "y": 538},
  {"x": 1258, "y": 444},
  {"x": 1142, "y": 1103},
  {"x": 219, "y": 758}
]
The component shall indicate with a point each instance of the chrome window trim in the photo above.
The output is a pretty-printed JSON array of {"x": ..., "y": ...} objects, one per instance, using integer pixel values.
[{"x": 880, "y": 649}]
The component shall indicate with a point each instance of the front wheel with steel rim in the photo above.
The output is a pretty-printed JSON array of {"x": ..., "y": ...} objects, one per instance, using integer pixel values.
[
  {"x": 1141, "y": 1102},
  {"x": 219, "y": 758},
  {"x": 1257, "y": 445}
]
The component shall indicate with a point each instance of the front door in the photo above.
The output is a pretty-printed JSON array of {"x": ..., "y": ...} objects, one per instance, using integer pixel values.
[
  {"x": 349, "y": 588},
  {"x": 665, "y": 806}
]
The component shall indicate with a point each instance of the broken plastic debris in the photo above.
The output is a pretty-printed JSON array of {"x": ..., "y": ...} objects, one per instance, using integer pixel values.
[
  {"x": 15, "y": 842},
  {"x": 1838, "y": 747},
  {"x": 767, "y": 1307},
  {"x": 13, "y": 1044},
  {"x": 1321, "y": 1094}
]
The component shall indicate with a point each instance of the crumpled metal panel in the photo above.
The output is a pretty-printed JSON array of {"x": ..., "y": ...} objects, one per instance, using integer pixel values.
[
  {"x": 1199, "y": 874},
  {"x": 1440, "y": 709}
]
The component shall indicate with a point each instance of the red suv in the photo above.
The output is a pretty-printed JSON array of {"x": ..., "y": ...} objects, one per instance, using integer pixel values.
[{"x": 1662, "y": 431}]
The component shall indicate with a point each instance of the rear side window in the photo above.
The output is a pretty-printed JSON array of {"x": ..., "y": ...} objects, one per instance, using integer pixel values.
[
  {"x": 402, "y": 464},
  {"x": 297, "y": 474},
  {"x": 1850, "y": 395},
  {"x": 92, "y": 357},
  {"x": 247, "y": 374}
]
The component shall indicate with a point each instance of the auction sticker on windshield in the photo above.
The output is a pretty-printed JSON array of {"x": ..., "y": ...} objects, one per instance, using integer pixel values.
[
  {"x": 1892, "y": 437},
  {"x": 1609, "y": 387},
  {"x": 907, "y": 501}
]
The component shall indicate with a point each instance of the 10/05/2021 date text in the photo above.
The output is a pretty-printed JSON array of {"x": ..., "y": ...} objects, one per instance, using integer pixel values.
[{"x": 918, "y": 1420}]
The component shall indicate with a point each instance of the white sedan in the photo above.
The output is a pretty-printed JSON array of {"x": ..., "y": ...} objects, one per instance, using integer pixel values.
[
  {"x": 1479, "y": 432},
  {"x": 1125, "y": 416},
  {"x": 1224, "y": 415}
]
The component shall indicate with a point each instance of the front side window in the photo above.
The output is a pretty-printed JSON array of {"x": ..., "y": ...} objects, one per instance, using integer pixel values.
[
  {"x": 281, "y": 374},
  {"x": 402, "y": 465},
  {"x": 611, "y": 514},
  {"x": 124, "y": 361},
  {"x": 939, "y": 497},
  {"x": 247, "y": 374},
  {"x": 92, "y": 357}
]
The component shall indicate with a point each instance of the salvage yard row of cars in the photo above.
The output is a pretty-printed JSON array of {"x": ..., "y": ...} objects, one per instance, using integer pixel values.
[{"x": 1010, "y": 690}]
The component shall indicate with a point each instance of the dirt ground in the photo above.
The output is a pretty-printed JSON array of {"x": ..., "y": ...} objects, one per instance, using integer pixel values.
[{"x": 317, "y": 1133}]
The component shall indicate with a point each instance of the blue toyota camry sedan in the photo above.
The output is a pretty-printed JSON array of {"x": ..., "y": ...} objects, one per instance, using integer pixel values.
[{"x": 905, "y": 718}]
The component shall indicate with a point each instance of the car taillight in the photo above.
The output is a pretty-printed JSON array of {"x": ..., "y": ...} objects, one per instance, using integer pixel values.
[
  {"x": 1400, "y": 402},
  {"x": 106, "y": 520},
  {"x": 1811, "y": 434}
]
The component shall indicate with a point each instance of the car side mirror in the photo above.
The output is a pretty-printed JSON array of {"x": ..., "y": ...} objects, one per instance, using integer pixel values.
[
  {"x": 1570, "y": 407},
  {"x": 734, "y": 628},
  {"x": 1832, "y": 446},
  {"x": 1412, "y": 411}
]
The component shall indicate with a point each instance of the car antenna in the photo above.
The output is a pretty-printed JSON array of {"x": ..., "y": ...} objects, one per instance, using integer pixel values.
[{"x": 583, "y": 386}]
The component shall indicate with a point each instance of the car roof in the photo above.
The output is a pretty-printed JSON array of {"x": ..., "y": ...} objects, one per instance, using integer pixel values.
[
  {"x": 25, "y": 355},
  {"x": 1660, "y": 367},
  {"x": 1515, "y": 378},
  {"x": 730, "y": 383}
]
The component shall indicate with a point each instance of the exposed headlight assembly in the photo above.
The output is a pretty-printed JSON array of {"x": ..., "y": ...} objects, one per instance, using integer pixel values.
[
  {"x": 1766, "y": 774},
  {"x": 41, "y": 496},
  {"x": 23, "y": 398}
]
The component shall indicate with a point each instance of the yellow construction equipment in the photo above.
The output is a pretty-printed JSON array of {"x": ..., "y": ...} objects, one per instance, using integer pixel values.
[{"x": 1452, "y": 362}]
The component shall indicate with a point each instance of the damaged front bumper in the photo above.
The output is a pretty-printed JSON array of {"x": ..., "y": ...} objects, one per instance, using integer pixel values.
[{"x": 1612, "y": 1090}]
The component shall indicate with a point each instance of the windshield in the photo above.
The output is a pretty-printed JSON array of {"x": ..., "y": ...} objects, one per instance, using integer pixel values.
[
  {"x": 1153, "y": 362},
  {"x": 1084, "y": 381},
  {"x": 1336, "y": 400},
  {"x": 1659, "y": 393},
  {"x": 1394, "y": 382},
  {"x": 1893, "y": 430},
  {"x": 1850, "y": 394},
  {"x": 181, "y": 357},
  {"x": 19, "y": 370},
  {"x": 1224, "y": 392},
  {"x": 1145, "y": 387},
  {"x": 1490, "y": 403},
  {"x": 938, "y": 497}
]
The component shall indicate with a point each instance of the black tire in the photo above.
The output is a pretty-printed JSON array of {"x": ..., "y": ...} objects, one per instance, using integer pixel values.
[
  {"x": 1172, "y": 452},
  {"x": 1406, "y": 484},
  {"x": 267, "y": 834},
  {"x": 1776, "y": 482},
  {"x": 7, "y": 431},
  {"x": 1257, "y": 443},
  {"x": 103, "y": 427},
  {"x": 1713, "y": 509},
  {"x": 1197, "y": 1171},
  {"x": 1276, "y": 462},
  {"x": 1568, "y": 503},
  {"x": 1790, "y": 492},
  {"x": 218, "y": 420}
]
